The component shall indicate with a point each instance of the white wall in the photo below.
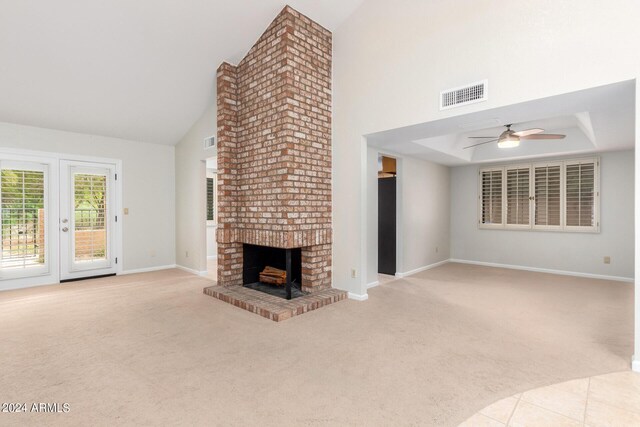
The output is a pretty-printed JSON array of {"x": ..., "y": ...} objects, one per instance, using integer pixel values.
[
  {"x": 425, "y": 205},
  {"x": 148, "y": 179},
  {"x": 191, "y": 230},
  {"x": 636, "y": 357},
  {"x": 571, "y": 252},
  {"x": 392, "y": 59},
  {"x": 423, "y": 214}
]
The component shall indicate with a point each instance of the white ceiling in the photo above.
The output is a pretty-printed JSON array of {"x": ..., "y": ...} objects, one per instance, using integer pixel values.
[
  {"x": 594, "y": 120},
  {"x": 141, "y": 70}
]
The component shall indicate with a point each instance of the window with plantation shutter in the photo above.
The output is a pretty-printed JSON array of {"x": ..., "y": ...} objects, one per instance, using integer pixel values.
[
  {"x": 552, "y": 196},
  {"x": 547, "y": 193},
  {"x": 23, "y": 217},
  {"x": 518, "y": 196},
  {"x": 211, "y": 199},
  {"x": 491, "y": 197},
  {"x": 580, "y": 194}
]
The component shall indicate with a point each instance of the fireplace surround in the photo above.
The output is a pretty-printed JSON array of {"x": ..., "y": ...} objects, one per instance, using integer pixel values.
[
  {"x": 274, "y": 150},
  {"x": 274, "y": 164}
]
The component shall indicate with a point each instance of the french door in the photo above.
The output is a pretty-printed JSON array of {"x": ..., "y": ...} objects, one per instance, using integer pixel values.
[
  {"x": 87, "y": 219},
  {"x": 24, "y": 220}
]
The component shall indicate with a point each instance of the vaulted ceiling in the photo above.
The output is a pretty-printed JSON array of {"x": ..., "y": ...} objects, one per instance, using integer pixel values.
[{"x": 141, "y": 70}]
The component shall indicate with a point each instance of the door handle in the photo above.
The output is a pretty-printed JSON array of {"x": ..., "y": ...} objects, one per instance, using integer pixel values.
[{"x": 65, "y": 229}]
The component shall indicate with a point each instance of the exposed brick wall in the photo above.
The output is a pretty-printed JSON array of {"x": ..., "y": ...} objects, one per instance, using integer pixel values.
[{"x": 274, "y": 149}]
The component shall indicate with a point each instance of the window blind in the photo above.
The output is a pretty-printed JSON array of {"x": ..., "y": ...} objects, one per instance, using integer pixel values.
[
  {"x": 491, "y": 197},
  {"x": 564, "y": 193},
  {"x": 518, "y": 196},
  {"x": 580, "y": 194},
  {"x": 547, "y": 195},
  {"x": 210, "y": 199},
  {"x": 23, "y": 218}
]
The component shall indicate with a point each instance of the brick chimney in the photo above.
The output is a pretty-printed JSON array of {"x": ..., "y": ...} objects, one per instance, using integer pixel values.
[{"x": 274, "y": 150}]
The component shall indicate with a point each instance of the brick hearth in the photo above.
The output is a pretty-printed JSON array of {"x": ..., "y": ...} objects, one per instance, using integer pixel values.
[
  {"x": 271, "y": 307},
  {"x": 274, "y": 151}
]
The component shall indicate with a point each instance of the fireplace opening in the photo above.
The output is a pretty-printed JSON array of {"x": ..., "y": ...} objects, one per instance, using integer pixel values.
[{"x": 275, "y": 271}]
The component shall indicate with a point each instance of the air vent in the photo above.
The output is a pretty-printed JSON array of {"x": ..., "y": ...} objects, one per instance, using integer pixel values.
[
  {"x": 209, "y": 142},
  {"x": 464, "y": 95}
]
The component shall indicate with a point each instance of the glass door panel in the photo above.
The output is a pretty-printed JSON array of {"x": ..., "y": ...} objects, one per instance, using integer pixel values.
[{"x": 23, "y": 219}]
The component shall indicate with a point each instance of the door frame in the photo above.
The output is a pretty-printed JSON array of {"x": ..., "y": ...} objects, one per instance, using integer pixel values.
[
  {"x": 370, "y": 249},
  {"x": 53, "y": 160},
  {"x": 68, "y": 270}
]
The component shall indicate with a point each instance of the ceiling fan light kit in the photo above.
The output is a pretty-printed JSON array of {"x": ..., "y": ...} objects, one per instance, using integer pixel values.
[{"x": 511, "y": 139}]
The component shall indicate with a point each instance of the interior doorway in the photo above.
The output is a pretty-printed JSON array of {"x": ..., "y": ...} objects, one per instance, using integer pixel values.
[{"x": 387, "y": 221}]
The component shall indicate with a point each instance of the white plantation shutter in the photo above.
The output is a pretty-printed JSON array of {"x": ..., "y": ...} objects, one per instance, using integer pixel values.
[
  {"x": 23, "y": 218},
  {"x": 580, "y": 194},
  {"x": 547, "y": 195},
  {"x": 565, "y": 196},
  {"x": 491, "y": 197},
  {"x": 518, "y": 208}
]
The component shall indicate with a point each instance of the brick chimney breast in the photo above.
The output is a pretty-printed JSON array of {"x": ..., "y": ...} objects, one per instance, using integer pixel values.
[{"x": 274, "y": 149}]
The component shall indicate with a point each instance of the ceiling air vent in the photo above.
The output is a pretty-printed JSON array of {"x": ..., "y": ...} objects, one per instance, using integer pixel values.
[
  {"x": 209, "y": 142},
  {"x": 463, "y": 95}
]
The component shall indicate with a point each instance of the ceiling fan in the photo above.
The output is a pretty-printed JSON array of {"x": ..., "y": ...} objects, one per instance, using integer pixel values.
[{"x": 509, "y": 138}]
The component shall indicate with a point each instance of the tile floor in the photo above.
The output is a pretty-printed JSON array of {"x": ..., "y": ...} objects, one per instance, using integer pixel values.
[{"x": 604, "y": 400}]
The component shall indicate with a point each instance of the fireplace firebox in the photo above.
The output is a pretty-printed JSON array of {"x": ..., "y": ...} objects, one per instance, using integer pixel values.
[{"x": 256, "y": 258}]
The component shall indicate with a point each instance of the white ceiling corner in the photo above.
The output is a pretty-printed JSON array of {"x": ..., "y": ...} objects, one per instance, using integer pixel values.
[{"x": 141, "y": 70}]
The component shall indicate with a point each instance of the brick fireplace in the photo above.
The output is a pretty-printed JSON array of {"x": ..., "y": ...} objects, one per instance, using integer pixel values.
[{"x": 274, "y": 150}]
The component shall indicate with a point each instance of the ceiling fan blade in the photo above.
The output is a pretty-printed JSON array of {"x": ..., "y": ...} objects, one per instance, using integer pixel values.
[
  {"x": 480, "y": 137},
  {"x": 528, "y": 132},
  {"x": 480, "y": 143},
  {"x": 544, "y": 136}
]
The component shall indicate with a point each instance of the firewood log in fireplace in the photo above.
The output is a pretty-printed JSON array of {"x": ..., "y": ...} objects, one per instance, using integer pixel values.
[{"x": 273, "y": 276}]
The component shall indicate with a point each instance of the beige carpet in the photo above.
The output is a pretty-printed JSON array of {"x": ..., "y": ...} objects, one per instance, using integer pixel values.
[{"x": 432, "y": 349}]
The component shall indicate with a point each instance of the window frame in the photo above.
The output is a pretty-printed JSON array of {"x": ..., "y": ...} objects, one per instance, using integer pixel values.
[
  {"x": 595, "y": 228},
  {"x": 531, "y": 226},
  {"x": 491, "y": 225},
  {"x": 546, "y": 227},
  {"x": 45, "y": 268},
  {"x": 505, "y": 189}
]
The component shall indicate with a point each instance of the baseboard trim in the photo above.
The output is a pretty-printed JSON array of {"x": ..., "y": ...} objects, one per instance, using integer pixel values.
[
  {"x": 635, "y": 364},
  {"x": 357, "y": 297},
  {"x": 423, "y": 268},
  {"x": 148, "y": 269},
  {"x": 372, "y": 284},
  {"x": 191, "y": 270},
  {"x": 544, "y": 270}
]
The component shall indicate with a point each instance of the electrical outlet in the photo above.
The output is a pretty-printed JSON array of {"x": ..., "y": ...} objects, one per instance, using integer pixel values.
[
  {"x": 186, "y": 254},
  {"x": 354, "y": 273},
  {"x": 607, "y": 260},
  {"x": 126, "y": 211},
  {"x": 152, "y": 253},
  {"x": 436, "y": 249}
]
